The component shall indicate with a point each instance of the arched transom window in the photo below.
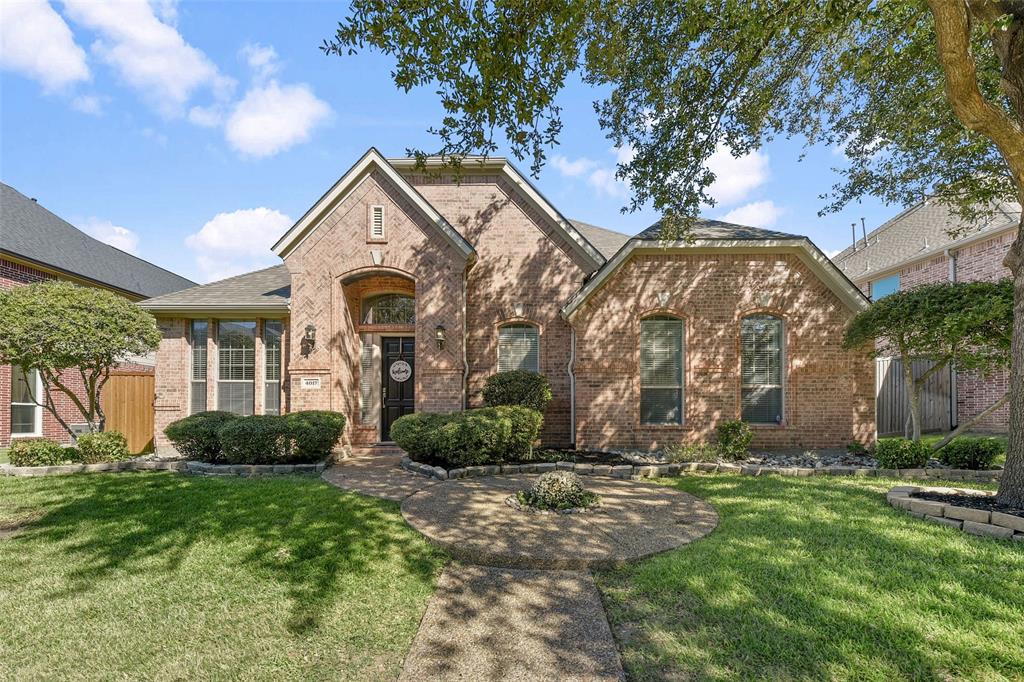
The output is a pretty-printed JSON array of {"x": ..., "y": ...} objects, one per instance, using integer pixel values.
[
  {"x": 518, "y": 348},
  {"x": 389, "y": 309},
  {"x": 661, "y": 370},
  {"x": 762, "y": 356}
]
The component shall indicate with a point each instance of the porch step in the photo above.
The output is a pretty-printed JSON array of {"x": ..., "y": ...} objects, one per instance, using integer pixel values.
[{"x": 388, "y": 450}]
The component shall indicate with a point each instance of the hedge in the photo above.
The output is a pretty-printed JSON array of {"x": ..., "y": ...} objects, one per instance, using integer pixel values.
[
  {"x": 195, "y": 436},
  {"x": 315, "y": 433},
  {"x": 971, "y": 453},
  {"x": 489, "y": 435},
  {"x": 106, "y": 446},
  {"x": 900, "y": 453},
  {"x": 259, "y": 439},
  {"x": 517, "y": 387},
  {"x": 41, "y": 453}
]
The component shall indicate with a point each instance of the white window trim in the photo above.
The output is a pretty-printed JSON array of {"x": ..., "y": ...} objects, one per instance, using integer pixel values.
[
  {"x": 383, "y": 224},
  {"x": 783, "y": 365},
  {"x": 37, "y": 393},
  {"x": 682, "y": 379},
  {"x": 535, "y": 327},
  {"x": 191, "y": 364},
  {"x": 280, "y": 367}
]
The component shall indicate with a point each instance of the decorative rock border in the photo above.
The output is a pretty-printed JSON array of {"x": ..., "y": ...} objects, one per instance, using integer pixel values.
[
  {"x": 639, "y": 471},
  {"x": 975, "y": 521},
  {"x": 196, "y": 468}
]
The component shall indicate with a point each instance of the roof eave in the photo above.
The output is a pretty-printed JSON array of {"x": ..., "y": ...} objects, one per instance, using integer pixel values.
[{"x": 219, "y": 310}]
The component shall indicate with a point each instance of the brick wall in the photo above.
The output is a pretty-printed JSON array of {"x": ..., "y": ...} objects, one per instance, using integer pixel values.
[
  {"x": 525, "y": 272},
  {"x": 829, "y": 392}
]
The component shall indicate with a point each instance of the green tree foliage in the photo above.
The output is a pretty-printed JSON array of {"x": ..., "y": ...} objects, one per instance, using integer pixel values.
[
  {"x": 922, "y": 96},
  {"x": 967, "y": 325},
  {"x": 71, "y": 333}
]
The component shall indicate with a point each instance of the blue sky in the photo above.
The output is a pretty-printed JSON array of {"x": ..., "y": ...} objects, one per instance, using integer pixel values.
[{"x": 193, "y": 134}]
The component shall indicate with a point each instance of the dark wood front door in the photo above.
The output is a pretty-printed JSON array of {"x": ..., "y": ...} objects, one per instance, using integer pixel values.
[{"x": 398, "y": 381}]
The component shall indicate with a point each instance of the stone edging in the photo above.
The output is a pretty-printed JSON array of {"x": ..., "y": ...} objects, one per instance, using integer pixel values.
[
  {"x": 975, "y": 521},
  {"x": 638, "y": 471},
  {"x": 197, "y": 468}
]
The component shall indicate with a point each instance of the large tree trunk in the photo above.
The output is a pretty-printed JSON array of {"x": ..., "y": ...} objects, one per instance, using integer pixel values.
[{"x": 1011, "y": 485}]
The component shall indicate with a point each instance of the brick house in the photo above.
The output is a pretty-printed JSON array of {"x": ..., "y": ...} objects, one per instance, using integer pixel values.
[
  {"x": 915, "y": 248},
  {"x": 402, "y": 290},
  {"x": 35, "y": 246}
]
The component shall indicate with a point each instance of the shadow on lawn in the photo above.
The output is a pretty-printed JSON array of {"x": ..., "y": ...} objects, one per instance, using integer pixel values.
[
  {"x": 302, "y": 533},
  {"x": 819, "y": 579}
]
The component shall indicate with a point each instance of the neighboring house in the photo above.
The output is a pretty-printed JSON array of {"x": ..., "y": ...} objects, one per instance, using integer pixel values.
[
  {"x": 403, "y": 290},
  {"x": 36, "y": 245},
  {"x": 915, "y": 248}
]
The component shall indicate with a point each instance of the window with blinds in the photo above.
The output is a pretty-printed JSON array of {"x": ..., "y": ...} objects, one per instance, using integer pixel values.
[
  {"x": 236, "y": 359},
  {"x": 272, "y": 367},
  {"x": 762, "y": 369},
  {"x": 661, "y": 370},
  {"x": 519, "y": 348},
  {"x": 198, "y": 333}
]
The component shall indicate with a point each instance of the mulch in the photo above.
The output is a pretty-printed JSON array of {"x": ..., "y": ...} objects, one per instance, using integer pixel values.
[{"x": 983, "y": 502}]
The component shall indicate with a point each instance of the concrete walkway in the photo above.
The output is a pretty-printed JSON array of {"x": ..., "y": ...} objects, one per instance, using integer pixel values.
[{"x": 377, "y": 476}]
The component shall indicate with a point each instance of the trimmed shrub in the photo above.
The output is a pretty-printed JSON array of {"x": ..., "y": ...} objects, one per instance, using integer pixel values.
[
  {"x": 106, "y": 446},
  {"x": 900, "y": 453},
  {"x": 526, "y": 389},
  {"x": 734, "y": 438},
  {"x": 40, "y": 453},
  {"x": 489, "y": 435},
  {"x": 259, "y": 439},
  {"x": 196, "y": 437},
  {"x": 557, "y": 490},
  {"x": 315, "y": 432},
  {"x": 971, "y": 453}
]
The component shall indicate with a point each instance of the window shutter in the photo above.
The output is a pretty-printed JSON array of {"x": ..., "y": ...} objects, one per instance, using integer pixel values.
[
  {"x": 761, "y": 359},
  {"x": 661, "y": 371},
  {"x": 518, "y": 348},
  {"x": 377, "y": 222}
]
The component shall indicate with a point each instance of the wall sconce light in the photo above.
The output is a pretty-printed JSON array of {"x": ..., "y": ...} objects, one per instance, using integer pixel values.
[
  {"x": 440, "y": 335},
  {"x": 309, "y": 339}
]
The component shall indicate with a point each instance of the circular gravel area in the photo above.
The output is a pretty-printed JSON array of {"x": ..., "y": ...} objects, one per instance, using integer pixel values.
[{"x": 469, "y": 518}]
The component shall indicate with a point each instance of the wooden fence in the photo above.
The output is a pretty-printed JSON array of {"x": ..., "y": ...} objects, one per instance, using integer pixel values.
[
  {"x": 892, "y": 404},
  {"x": 127, "y": 401}
]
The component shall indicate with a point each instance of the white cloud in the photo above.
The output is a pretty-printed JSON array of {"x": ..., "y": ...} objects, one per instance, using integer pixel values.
[
  {"x": 572, "y": 169},
  {"x": 736, "y": 178},
  {"x": 150, "y": 55},
  {"x": 262, "y": 59},
  {"x": 88, "y": 104},
  {"x": 35, "y": 41},
  {"x": 832, "y": 253},
  {"x": 109, "y": 233},
  {"x": 624, "y": 154},
  {"x": 605, "y": 182},
  {"x": 206, "y": 117},
  {"x": 272, "y": 118},
  {"x": 237, "y": 242},
  {"x": 756, "y": 214}
]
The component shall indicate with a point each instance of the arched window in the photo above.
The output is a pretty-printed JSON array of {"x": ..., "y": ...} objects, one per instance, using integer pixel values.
[
  {"x": 518, "y": 347},
  {"x": 389, "y": 309},
  {"x": 762, "y": 357},
  {"x": 661, "y": 370}
]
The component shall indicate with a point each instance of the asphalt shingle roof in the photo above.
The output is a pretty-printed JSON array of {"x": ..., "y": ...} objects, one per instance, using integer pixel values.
[
  {"x": 716, "y": 229},
  {"x": 267, "y": 288},
  {"x": 29, "y": 231},
  {"x": 608, "y": 242},
  {"x": 920, "y": 229}
]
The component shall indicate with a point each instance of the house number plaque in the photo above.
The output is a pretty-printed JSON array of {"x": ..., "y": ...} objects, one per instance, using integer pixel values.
[{"x": 400, "y": 371}]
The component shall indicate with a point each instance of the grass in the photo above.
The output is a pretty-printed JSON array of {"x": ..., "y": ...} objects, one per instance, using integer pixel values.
[
  {"x": 162, "y": 576},
  {"x": 933, "y": 438},
  {"x": 820, "y": 579}
]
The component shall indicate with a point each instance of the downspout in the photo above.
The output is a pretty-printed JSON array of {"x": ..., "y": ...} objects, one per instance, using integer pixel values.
[
  {"x": 465, "y": 339},
  {"x": 570, "y": 368}
]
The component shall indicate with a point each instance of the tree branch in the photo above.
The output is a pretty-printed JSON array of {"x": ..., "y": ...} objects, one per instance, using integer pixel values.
[{"x": 972, "y": 421}]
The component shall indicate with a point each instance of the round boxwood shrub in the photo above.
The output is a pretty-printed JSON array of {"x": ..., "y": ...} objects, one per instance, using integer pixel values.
[
  {"x": 734, "y": 438},
  {"x": 106, "y": 446},
  {"x": 518, "y": 387},
  {"x": 40, "y": 453},
  {"x": 259, "y": 439},
  {"x": 971, "y": 453},
  {"x": 314, "y": 432},
  {"x": 196, "y": 437},
  {"x": 900, "y": 453},
  {"x": 489, "y": 435},
  {"x": 557, "y": 490}
]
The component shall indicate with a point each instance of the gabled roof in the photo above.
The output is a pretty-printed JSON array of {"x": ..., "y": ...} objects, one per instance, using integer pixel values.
[
  {"x": 340, "y": 190},
  {"x": 266, "y": 291},
  {"x": 608, "y": 242},
  {"x": 31, "y": 233},
  {"x": 713, "y": 236},
  {"x": 920, "y": 230}
]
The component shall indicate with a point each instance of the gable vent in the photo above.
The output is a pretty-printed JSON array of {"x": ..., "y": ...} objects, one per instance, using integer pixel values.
[{"x": 377, "y": 222}]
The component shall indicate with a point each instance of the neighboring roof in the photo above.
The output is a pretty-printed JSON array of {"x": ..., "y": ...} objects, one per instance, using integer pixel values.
[
  {"x": 713, "y": 235},
  {"x": 608, "y": 242},
  {"x": 340, "y": 190},
  {"x": 267, "y": 290},
  {"x": 920, "y": 230},
  {"x": 30, "y": 232}
]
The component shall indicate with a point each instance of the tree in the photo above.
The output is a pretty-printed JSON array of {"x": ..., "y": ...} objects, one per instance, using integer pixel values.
[
  {"x": 923, "y": 96},
  {"x": 966, "y": 325},
  {"x": 63, "y": 331}
]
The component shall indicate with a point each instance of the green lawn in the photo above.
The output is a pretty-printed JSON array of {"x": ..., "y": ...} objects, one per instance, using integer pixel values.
[
  {"x": 820, "y": 579},
  {"x": 163, "y": 576}
]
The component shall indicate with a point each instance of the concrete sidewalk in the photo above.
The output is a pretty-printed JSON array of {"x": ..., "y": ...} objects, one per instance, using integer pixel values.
[{"x": 505, "y": 624}]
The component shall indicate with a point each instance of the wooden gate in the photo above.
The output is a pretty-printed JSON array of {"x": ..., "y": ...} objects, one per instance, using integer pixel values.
[
  {"x": 892, "y": 403},
  {"x": 127, "y": 401}
]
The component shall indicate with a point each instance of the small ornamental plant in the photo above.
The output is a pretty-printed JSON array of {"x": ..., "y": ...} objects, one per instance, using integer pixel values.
[{"x": 557, "y": 491}]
